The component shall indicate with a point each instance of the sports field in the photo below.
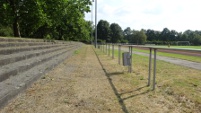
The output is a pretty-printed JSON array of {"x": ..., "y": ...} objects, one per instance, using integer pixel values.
[
  {"x": 182, "y": 47},
  {"x": 186, "y": 55},
  {"x": 188, "y": 47}
]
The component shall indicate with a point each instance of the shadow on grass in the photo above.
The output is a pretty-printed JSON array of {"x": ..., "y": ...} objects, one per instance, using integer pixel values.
[
  {"x": 133, "y": 90},
  {"x": 136, "y": 95},
  {"x": 113, "y": 74},
  {"x": 118, "y": 95}
]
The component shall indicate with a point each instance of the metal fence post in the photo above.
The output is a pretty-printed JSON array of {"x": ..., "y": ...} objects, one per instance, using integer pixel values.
[
  {"x": 150, "y": 62},
  {"x": 131, "y": 59},
  {"x": 106, "y": 49},
  {"x": 129, "y": 50},
  {"x": 154, "y": 77},
  {"x": 112, "y": 51},
  {"x": 109, "y": 50},
  {"x": 103, "y": 48},
  {"x": 119, "y": 54}
]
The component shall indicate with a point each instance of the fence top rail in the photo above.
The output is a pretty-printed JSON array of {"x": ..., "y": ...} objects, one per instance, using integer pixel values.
[{"x": 164, "y": 48}]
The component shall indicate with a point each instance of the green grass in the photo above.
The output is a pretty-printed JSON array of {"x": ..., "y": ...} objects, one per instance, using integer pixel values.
[
  {"x": 183, "y": 47},
  {"x": 181, "y": 83},
  {"x": 188, "y": 47},
  {"x": 76, "y": 52}
]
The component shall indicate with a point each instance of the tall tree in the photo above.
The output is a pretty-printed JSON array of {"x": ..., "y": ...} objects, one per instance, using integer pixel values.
[
  {"x": 9, "y": 14},
  {"x": 151, "y": 36},
  {"x": 116, "y": 33},
  {"x": 127, "y": 34},
  {"x": 138, "y": 37},
  {"x": 14, "y": 11},
  {"x": 37, "y": 18},
  {"x": 173, "y": 35},
  {"x": 65, "y": 18},
  {"x": 165, "y": 35},
  {"x": 103, "y": 30}
]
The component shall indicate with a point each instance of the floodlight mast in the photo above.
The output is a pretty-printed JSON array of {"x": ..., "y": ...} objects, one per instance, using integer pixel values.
[
  {"x": 95, "y": 23},
  {"x": 92, "y": 24},
  {"x": 95, "y": 41}
]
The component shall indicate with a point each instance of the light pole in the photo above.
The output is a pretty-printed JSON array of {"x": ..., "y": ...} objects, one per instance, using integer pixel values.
[
  {"x": 96, "y": 23},
  {"x": 92, "y": 22}
]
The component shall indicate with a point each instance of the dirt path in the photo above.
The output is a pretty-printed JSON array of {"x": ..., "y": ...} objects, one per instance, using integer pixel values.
[{"x": 78, "y": 85}]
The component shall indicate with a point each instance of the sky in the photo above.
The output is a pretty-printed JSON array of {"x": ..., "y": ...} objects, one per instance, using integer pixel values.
[{"x": 179, "y": 15}]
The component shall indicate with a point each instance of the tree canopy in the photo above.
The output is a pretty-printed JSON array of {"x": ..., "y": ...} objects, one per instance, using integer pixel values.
[
  {"x": 114, "y": 34},
  {"x": 58, "y": 19},
  {"x": 103, "y": 30},
  {"x": 64, "y": 20}
]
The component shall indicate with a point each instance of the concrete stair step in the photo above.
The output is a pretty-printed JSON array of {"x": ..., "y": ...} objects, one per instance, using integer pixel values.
[
  {"x": 11, "y": 50},
  {"x": 20, "y": 44},
  {"x": 5, "y": 39},
  {"x": 7, "y": 59},
  {"x": 9, "y": 88},
  {"x": 23, "y": 61},
  {"x": 14, "y": 39},
  {"x": 24, "y": 65}
]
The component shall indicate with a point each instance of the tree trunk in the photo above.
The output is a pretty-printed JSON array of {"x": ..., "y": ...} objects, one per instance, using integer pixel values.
[{"x": 16, "y": 28}]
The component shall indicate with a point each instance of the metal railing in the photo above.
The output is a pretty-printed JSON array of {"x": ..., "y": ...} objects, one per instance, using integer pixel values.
[{"x": 106, "y": 49}]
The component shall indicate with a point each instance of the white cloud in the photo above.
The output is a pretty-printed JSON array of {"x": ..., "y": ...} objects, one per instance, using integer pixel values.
[{"x": 179, "y": 15}]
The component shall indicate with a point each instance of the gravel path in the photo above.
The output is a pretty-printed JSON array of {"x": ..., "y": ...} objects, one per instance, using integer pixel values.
[{"x": 78, "y": 85}]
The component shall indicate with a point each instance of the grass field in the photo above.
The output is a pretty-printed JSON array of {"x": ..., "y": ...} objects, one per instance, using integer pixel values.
[
  {"x": 191, "y": 47},
  {"x": 177, "y": 87},
  {"x": 183, "y": 47}
]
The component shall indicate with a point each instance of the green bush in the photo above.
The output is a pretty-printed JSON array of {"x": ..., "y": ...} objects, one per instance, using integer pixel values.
[{"x": 6, "y": 31}]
